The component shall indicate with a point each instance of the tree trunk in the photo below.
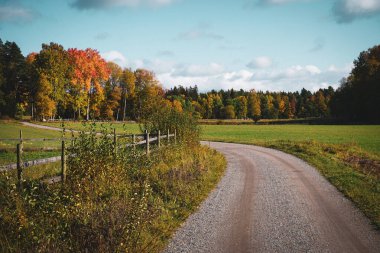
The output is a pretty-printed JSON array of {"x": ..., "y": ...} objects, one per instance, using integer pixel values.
[
  {"x": 32, "y": 111},
  {"x": 125, "y": 104},
  {"x": 88, "y": 107}
]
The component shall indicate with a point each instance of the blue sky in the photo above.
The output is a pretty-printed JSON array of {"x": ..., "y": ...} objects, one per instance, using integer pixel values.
[{"x": 262, "y": 44}]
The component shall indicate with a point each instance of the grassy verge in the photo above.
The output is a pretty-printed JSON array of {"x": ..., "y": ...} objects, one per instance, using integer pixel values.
[
  {"x": 352, "y": 167},
  {"x": 37, "y": 172}
]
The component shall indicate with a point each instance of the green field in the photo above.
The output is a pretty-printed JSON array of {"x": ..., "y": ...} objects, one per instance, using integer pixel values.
[
  {"x": 32, "y": 149},
  {"x": 11, "y": 129},
  {"x": 366, "y": 137}
]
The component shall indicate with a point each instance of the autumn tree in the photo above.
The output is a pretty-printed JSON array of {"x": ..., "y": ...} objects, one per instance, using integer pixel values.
[
  {"x": 112, "y": 92},
  {"x": 45, "y": 105},
  {"x": 147, "y": 91},
  {"x": 53, "y": 63},
  {"x": 268, "y": 109},
  {"x": 321, "y": 104},
  {"x": 33, "y": 81},
  {"x": 89, "y": 73},
  {"x": 254, "y": 110},
  {"x": 292, "y": 107},
  {"x": 241, "y": 107},
  {"x": 229, "y": 112},
  {"x": 128, "y": 84}
]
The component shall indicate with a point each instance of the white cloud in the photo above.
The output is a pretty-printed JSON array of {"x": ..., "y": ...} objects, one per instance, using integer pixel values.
[
  {"x": 292, "y": 78},
  {"x": 313, "y": 70},
  {"x": 348, "y": 10},
  {"x": 260, "y": 62},
  {"x": 157, "y": 65},
  {"x": 216, "y": 76},
  {"x": 116, "y": 57},
  {"x": 193, "y": 70},
  {"x": 99, "y": 4}
]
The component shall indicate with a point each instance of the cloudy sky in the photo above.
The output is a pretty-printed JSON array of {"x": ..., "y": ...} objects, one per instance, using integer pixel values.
[{"x": 262, "y": 44}]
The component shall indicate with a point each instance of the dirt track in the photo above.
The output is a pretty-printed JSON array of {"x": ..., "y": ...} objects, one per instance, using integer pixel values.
[{"x": 270, "y": 201}]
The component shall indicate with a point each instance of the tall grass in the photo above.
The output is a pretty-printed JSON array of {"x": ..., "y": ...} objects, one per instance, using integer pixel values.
[{"x": 115, "y": 199}]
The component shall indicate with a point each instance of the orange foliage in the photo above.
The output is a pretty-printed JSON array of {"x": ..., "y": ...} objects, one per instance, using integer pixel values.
[{"x": 89, "y": 68}]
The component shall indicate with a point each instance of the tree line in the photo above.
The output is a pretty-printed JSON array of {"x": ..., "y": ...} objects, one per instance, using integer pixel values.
[
  {"x": 240, "y": 104},
  {"x": 73, "y": 83},
  {"x": 80, "y": 84}
]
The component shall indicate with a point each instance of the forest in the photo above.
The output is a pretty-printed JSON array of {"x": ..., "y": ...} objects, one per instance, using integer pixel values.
[{"x": 79, "y": 84}]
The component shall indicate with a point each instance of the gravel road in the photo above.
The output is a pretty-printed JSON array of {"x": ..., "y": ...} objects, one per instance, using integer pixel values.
[{"x": 269, "y": 201}]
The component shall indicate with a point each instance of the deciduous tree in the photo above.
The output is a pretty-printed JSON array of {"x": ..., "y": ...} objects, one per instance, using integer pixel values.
[
  {"x": 254, "y": 110},
  {"x": 89, "y": 72}
]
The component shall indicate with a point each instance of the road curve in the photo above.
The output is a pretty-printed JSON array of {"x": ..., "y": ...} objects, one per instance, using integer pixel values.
[{"x": 269, "y": 201}]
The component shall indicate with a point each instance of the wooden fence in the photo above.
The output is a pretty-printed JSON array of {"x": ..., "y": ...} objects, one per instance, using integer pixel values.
[{"x": 20, "y": 164}]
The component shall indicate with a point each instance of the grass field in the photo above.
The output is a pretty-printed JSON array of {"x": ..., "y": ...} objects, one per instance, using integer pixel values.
[
  {"x": 32, "y": 149},
  {"x": 11, "y": 129},
  {"x": 365, "y": 137}
]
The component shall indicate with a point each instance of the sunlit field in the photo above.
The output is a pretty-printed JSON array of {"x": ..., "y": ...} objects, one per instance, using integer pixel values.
[{"x": 366, "y": 137}]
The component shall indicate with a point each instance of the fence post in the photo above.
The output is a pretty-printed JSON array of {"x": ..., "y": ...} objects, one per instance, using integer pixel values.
[
  {"x": 168, "y": 137},
  {"x": 115, "y": 140},
  {"x": 147, "y": 141},
  {"x": 159, "y": 138},
  {"x": 175, "y": 136},
  {"x": 19, "y": 166},
  {"x": 134, "y": 141},
  {"x": 72, "y": 138},
  {"x": 63, "y": 162}
]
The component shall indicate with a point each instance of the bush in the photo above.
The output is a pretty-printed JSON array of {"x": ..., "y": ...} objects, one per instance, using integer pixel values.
[
  {"x": 115, "y": 199},
  {"x": 163, "y": 117}
]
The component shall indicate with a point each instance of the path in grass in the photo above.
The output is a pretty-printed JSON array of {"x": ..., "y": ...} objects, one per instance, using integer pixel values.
[{"x": 269, "y": 201}]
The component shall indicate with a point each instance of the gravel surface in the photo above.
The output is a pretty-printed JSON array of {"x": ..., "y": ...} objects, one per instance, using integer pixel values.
[{"x": 269, "y": 201}]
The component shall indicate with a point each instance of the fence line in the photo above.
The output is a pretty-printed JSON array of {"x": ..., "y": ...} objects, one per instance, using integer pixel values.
[{"x": 20, "y": 165}]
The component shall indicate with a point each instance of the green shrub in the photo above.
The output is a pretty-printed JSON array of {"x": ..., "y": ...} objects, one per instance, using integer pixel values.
[{"x": 115, "y": 199}]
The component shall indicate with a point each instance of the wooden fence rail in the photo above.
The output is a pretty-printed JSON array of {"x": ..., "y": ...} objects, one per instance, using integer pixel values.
[{"x": 20, "y": 165}]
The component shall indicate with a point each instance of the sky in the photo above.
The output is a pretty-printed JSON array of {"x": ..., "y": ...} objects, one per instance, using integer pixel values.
[{"x": 275, "y": 45}]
